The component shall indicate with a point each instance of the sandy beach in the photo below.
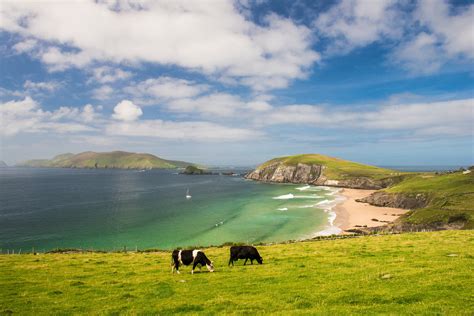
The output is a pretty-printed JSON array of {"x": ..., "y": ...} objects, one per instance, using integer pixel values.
[{"x": 351, "y": 213}]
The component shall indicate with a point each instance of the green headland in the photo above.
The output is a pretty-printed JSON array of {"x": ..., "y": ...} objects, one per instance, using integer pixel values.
[
  {"x": 435, "y": 200},
  {"x": 114, "y": 159}
]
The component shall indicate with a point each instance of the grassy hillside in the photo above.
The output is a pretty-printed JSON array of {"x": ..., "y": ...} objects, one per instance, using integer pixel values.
[
  {"x": 422, "y": 273},
  {"x": 336, "y": 169},
  {"x": 451, "y": 198},
  {"x": 115, "y": 159}
]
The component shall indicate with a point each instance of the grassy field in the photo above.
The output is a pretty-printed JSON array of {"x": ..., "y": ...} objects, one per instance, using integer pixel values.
[
  {"x": 451, "y": 197},
  {"x": 422, "y": 273},
  {"x": 336, "y": 169}
]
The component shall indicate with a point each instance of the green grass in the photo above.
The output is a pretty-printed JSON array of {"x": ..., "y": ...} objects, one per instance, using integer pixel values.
[
  {"x": 336, "y": 169},
  {"x": 451, "y": 197},
  {"x": 422, "y": 273},
  {"x": 115, "y": 159}
]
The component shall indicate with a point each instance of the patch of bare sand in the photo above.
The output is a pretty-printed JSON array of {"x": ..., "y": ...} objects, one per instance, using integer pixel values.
[{"x": 351, "y": 213}]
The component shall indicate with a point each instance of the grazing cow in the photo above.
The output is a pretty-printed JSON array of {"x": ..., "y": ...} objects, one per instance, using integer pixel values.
[
  {"x": 186, "y": 257},
  {"x": 244, "y": 252}
]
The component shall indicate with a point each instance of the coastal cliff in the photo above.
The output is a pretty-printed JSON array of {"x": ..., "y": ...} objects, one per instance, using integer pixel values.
[
  {"x": 396, "y": 200},
  {"x": 323, "y": 170}
]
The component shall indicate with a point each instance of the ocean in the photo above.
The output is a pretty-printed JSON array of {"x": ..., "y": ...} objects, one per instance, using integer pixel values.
[{"x": 105, "y": 209}]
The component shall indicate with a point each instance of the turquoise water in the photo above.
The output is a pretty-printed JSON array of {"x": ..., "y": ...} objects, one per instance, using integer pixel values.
[{"x": 110, "y": 209}]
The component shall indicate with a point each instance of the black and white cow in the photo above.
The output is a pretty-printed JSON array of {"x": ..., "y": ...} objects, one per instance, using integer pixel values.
[
  {"x": 244, "y": 252},
  {"x": 187, "y": 257}
]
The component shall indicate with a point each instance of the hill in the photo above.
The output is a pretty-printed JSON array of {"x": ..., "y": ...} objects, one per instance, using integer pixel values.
[
  {"x": 193, "y": 170},
  {"x": 365, "y": 275},
  {"x": 436, "y": 200},
  {"x": 324, "y": 170},
  {"x": 115, "y": 159}
]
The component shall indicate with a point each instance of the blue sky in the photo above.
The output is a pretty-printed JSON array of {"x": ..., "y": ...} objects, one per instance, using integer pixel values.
[{"x": 239, "y": 82}]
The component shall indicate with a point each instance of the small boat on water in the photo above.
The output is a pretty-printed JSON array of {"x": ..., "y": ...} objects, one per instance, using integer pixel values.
[{"x": 188, "y": 196}]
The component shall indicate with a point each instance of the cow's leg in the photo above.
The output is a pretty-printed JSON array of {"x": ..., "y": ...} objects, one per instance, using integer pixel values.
[
  {"x": 194, "y": 267},
  {"x": 246, "y": 261},
  {"x": 251, "y": 261}
]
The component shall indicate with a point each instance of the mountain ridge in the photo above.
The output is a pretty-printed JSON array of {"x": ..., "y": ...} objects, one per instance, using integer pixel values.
[{"x": 106, "y": 160}]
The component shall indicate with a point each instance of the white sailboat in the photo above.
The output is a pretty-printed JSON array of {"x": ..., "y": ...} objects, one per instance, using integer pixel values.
[{"x": 188, "y": 196}]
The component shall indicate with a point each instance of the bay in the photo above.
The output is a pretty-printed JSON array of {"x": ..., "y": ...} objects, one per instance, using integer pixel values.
[{"x": 112, "y": 209}]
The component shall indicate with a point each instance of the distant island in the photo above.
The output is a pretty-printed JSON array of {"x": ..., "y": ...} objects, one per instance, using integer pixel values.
[
  {"x": 106, "y": 160},
  {"x": 435, "y": 200},
  {"x": 193, "y": 170}
]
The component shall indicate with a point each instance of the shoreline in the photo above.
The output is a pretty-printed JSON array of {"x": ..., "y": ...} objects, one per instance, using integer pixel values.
[{"x": 352, "y": 215}]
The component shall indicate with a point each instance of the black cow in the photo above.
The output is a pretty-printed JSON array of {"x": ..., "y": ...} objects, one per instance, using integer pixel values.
[
  {"x": 244, "y": 252},
  {"x": 186, "y": 257}
]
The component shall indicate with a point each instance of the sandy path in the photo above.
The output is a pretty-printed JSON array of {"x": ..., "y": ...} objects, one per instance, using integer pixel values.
[{"x": 351, "y": 213}]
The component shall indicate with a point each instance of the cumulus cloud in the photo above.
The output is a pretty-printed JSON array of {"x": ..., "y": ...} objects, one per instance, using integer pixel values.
[
  {"x": 26, "y": 116},
  {"x": 218, "y": 104},
  {"x": 102, "y": 93},
  {"x": 208, "y": 36},
  {"x": 356, "y": 23},
  {"x": 186, "y": 131},
  {"x": 444, "y": 118},
  {"x": 48, "y": 86},
  {"x": 127, "y": 111},
  {"x": 106, "y": 74},
  {"x": 448, "y": 36},
  {"x": 165, "y": 88},
  {"x": 454, "y": 31}
]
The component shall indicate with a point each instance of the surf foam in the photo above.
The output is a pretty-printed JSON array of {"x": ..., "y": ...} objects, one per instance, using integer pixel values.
[
  {"x": 306, "y": 187},
  {"x": 284, "y": 197}
]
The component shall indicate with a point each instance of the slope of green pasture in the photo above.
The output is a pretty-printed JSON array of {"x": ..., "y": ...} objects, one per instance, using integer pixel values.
[{"x": 413, "y": 273}]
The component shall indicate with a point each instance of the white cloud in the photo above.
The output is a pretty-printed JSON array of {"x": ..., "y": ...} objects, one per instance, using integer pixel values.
[
  {"x": 454, "y": 31},
  {"x": 356, "y": 23},
  {"x": 208, "y": 36},
  {"x": 26, "y": 116},
  {"x": 127, "y": 111},
  {"x": 102, "y": 93},
  {"x": 219, "y": 105},
  {"x": 447, "y": 37},
  {"x": 48, "y": 86},
  {"x": 185, "y": 131},
  {"x": 25, "y": 46},
  {"x": 106, "y": 74},
  {"x": 165, "y": 88},
  {"x": 444, "y": 118}
]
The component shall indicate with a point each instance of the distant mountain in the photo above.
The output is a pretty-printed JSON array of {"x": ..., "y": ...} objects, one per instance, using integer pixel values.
[
  {"x": 3, "y": 164},
  {"x": 104, "y": 160}
]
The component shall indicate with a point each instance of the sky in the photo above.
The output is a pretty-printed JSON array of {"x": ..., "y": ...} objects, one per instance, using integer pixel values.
[{"x": 239, "y": 82}]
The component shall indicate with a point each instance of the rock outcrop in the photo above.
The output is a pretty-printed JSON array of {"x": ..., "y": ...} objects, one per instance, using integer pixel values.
[
  {"x": 397, "y": 200},
  {"x": 193, "y": 170},
  {"x": 313, "y": 174},
  {"x": 277, "y": 172}
]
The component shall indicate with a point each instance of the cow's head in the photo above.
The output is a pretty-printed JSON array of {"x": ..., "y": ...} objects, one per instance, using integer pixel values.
[
  {"x": 260, "y": 260},
  {"x": 210, "y": 266}
]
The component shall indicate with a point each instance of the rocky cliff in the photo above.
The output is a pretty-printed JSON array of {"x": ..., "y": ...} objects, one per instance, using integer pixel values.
[
  {"x": 313, "y": 174},
  {"x": 397, "y": 200}
]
